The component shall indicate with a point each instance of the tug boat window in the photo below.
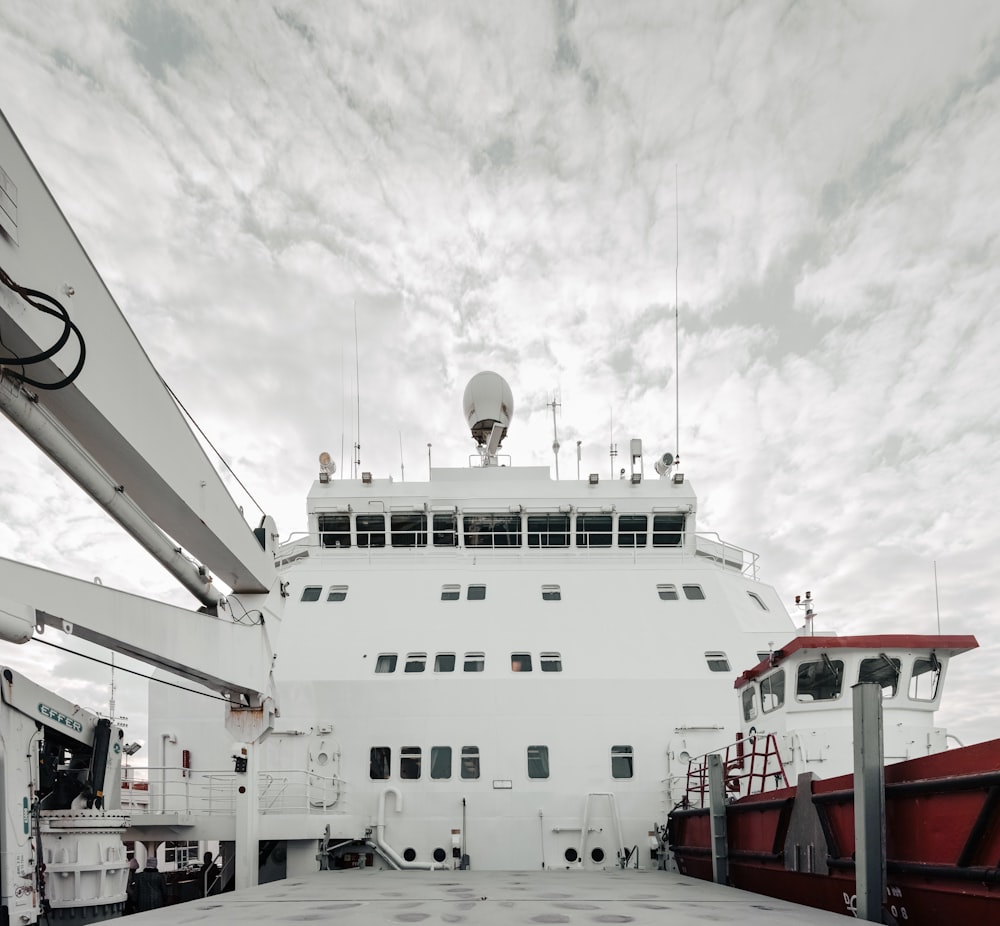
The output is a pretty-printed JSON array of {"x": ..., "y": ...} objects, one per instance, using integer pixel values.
[
  {"x": 311, "y": 593},
  {"x": 717, "y": 662},
  {"x": 821, "y": 680},
  {"x": 884, "y": 671},
  {"x": 445, "y": 530},
  {"x": 470, "y": 762},
  {"x": 409, "y": 763},
  {"x": 538, "y": 761},
  {"x": 632, "y": 530},
  {"x": 548, "y": 530},
  {"x": 451, "y": 592},
  {"x": 551, "y": 593},
  {"x": 694, "y": 592},
  {"x": 475, "y": 593},
  {"x": 380, "y": 762},
  {"x": 749, "y": 700},
  {"x": 667, "y": 592},
  {"x": 474, "y": 662},
  {"x": 551, "y": 662},
  {"x": 520, "y": 662},
  {"x": 772, "y": 691},
  {"x": 371, "y": 530},
  {"x": 668, "y": 530},
  {"x": 492, "y": 530},
  {"x": 335, "y": 530},
  {"x": 925, "y": 678},
  {"x": 409, "y": 529},
  {"x": 385, "y": 664},
  {"x": 593, "y": 530},
  {"x": 621, "y": 761},
  {"x": 415, "y": 662},
  {"x": 440, "y": 762},
  {"x": 337, "y": 593},
  {"x": 444, "y": 662}
]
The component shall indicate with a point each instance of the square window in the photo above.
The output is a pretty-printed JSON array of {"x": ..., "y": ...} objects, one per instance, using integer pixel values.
[
  {"x": 632, "y": 530},
  {"x": 335, "y": 530},
  {"x": 693, "y": 592},
  {"x": 925, "y": 678},
  {"x": 444, "y": 662},
  {"x": 621, "y": 762},
  {"x": 408, "y": 529},
  {"x": 470, "y": 762},
  {"x": 415, "y": 662},
  {"x": 667, "y": 592},
  {"x": 380, "y": 762},
  {"x": 474, "y": 662},
  {"x": 551, "y": 662},
  {"x": 882, "y": 670},
  {"x": 593, "y": 530},
  {"x": 475, "y": 593},
  {"x": 492, "y": 530},
  {"x": 668, "y": 530},
  {"x": 717, "y": 662},
  {"x": 440, "y": 762},
  {"x": 749, "y": 703},
  {"x": 311, "y": 593},
  {"x": 451, "y": 592},
  {"x": 820, "y": 680},
  {"x": 445, "y": 530},
  {"x": 409, "y": 763},
  {"x": 520, "y": 662},
  {"x": 548, "y": 530},
  {"x": 385, "y": 663},
  {"x": 551, "y": 593},
  {"x": 337, "y": 593},
  {"x": 538, "y": 761},
  {"x": 371, "y": 530},
  {"x": 772, "y": 691}
]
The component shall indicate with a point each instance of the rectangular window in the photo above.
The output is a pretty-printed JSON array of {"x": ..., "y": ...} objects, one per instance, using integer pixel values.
[
  {"x": 551, "y": 593},
  {"x": 474, "y": 662},
  {"x": 820, "y": 680},
  {"x": 409, "y": 529},
  {"x": 772, "y": 691},
  {"x": 470, "y": 762},
  {"x": 693, "y": 592},
  {"x": 451, "y": 592},
  {"x": 758, "y": 600},
  {"x": 415, "y": 662},
  {"x": 445, "y": 530},
  {"x": 180, "y": 852},
  {"x": 520, "y": 662},
  {"x": 475, "y": 593},
  {"x": 925, "y": 678},
  {"x": 440, "y": 762},
  {"x": 538, "y": 761},
  {"x": 749, "y": 703},
  {"x": 492, "y": 530},
  {"x": 882, "y": 670},
  {"x": 548, "y": 530},
  {"x": 621, "y": 762},
  {"x": 593, "y": 530},
  {"x": 335, "y": 530},
  {"x": 667, "y": 592},
  {"x": 444, "y": 662},
  {"x": 337, "y": 593},
  {"x": 380, "y": 762},
  {"x": 311, "y": 593},
  {"x": 632, "y": 530},
  {"x": 371, "y": 530},
  {"x": 668, "y": 530},
  {"x": 717, "y": 662},
  {"x": 551, "y": 662},
  {"x": 385, "y": 664},
  {"x": 409, "y": 763}
]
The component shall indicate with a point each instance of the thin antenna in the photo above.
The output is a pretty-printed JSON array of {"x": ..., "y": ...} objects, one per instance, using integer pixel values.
[
  {"x": 611, "y": 445},
  {"x": 555, "y": 437},
  {"x": 937, "y": 600},
  {"x": 428, "y": 462},
  {"x": 578, "y": 455},
  {"x": 677, "y": 323},
  {"x": 357, "y": 383},
  {"x": 402, "y": 469},
  {"x": 343, "y": 409}
]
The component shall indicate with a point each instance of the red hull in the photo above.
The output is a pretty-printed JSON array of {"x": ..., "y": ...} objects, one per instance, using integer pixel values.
[{"x": 942, "y": 840}]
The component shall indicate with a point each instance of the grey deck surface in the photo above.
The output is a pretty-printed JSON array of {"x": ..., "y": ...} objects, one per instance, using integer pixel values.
[{"x": 367, "y": 897}]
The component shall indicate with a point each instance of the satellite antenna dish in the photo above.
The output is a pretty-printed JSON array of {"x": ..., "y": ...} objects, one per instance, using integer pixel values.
[{"x": 664, "y": 463}]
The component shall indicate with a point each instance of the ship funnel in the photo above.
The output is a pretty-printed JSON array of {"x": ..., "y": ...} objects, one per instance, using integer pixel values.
[{"x": 488, "y": 403}]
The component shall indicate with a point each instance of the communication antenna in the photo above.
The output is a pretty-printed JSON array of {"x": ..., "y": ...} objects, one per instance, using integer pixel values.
[
  {"x": 612, "y": 446},
  {"x": 402, "y": 471},
  {"x": 428, "y": 462},
  {"x": 578, "y": 455},
  {"x": 677, "y": 323},
  {"x": 937, "y": 600},
  {"x": 357, "y": 383},
  {"x": 555, "y": 437}
]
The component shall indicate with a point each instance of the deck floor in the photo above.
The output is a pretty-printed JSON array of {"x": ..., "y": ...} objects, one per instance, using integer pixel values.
[{"x": 491, "y": 897}]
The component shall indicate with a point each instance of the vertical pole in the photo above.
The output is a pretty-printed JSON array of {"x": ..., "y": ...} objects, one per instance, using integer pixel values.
[
  {"x": 247, "y": 822},
  {"x": 869, "y": 802},
  {"x": 717, "y": 816}
]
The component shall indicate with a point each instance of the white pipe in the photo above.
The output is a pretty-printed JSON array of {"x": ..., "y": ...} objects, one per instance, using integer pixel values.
[
  {"x": 164, "y": 739},
  {"x": 391, "y": 854}
]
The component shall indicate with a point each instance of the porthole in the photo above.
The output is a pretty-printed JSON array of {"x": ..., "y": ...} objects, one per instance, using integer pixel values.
[
  {"x": 597, "y": 855},
  {"x": 571, "y": 855},
  {"x": 439, "y": 854},
  {"x": 409, "y": 855}
]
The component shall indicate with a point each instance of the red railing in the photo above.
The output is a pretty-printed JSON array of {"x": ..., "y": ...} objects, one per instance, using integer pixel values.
[{"x": 749, "y": 766}]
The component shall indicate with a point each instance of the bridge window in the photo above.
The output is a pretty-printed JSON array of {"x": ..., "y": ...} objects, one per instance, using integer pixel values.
[
  {"x": 593, "y": 530},
  {"x": 440, "y": 762},
  {"x": 760, "y": 601},
  {"x": 409, "y": 763},
  {"x": 772, "y": 691},
  {"x": 551, "y": 662},
  {"x": 311, "y": 593},
  {"x": 520, "y": 662},
  {"x": 474, "y": 662},
  {"x": 385, "y": 664},
  {"x": 548, "y": 530},
  {"x": 380, "y": 762},
  {"x": 451, "y": 592},
  {"x": 883, "y": 671},
  {"x": 444, "y": 662},
  {"x": 925, "y": 678},
  {"x": 621, "y": 762},
  {"x": 409, "y": 529},
  {"x": 551, "y": 593},
  {"x": 470, "y": 762},
  {"x": 717, "y": 662},
  {"x": 445, "y": 530},
  {"x": 538, "y": 761},
  {"x": 632, "y": 530},
  {"x": 415, "y": 662},
  {"x": 335, "y": 530},
  {"x": 475, "y": 593},
  {"x": 749, "y": 700},
  {"x": 820, "y": 680},
  {"x": 668, "y": 530},
  {"x": 693, "y": 592},
  {"x": 371, "y": 530},
  {"x": 492, "y": 530},
  {"x": 667, "y": 592},
  {"x": 337, "y": 593}
]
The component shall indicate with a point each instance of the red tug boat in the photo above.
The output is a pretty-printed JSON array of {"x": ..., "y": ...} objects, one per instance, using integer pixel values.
[{"x": 789, "y": 833}]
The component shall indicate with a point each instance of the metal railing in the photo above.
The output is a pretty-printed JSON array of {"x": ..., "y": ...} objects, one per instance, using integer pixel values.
[{"x": 749, "y": 766}]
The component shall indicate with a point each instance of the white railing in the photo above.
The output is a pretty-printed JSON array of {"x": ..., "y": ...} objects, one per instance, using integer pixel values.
[{"x": 172, "y": 790}]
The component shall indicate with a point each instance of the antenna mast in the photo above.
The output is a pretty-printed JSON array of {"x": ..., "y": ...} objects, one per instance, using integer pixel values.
[
  {"x": 402, "y": 471},
  {"x": 613, "y": 449},
  {"x": 555, "y": 437},
  {"x": 357, "y": 383},
  {"x": 677, "y": 324}
]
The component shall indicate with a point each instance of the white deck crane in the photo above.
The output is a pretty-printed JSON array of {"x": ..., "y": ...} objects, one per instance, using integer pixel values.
[{"x": 75, "y": 379}]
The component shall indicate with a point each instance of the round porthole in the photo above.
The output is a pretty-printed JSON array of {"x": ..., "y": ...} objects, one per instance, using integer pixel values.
[
  {"x": 597, "y": 855},
  {"x": 409, "y": 855},
  {"x": 571, "y": 855},
  {"x": 322, "y": 758},
  {"x": 439, "y": 854}
]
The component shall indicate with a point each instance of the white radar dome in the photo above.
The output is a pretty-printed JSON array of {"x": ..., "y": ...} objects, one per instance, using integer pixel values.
[{"x": 487, "y": 401}]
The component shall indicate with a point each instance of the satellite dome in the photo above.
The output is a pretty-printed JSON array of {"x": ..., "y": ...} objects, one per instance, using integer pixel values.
[{"x": 487, "y": 401}]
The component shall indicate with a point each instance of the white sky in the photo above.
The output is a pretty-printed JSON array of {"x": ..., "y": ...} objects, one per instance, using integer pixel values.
[{"x": 492, "y": 185}]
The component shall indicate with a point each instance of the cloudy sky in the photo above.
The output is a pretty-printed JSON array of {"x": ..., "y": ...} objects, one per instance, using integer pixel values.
[{"x": 492, "y": 186}]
